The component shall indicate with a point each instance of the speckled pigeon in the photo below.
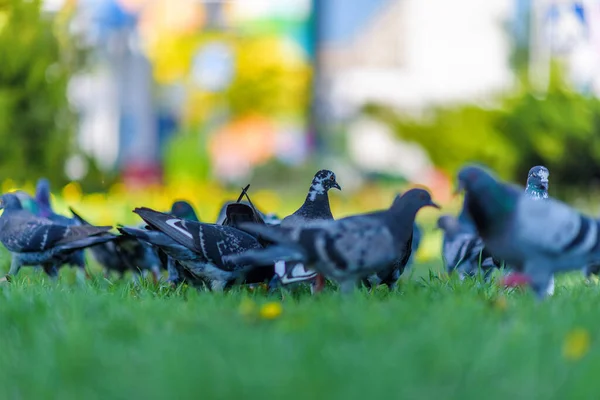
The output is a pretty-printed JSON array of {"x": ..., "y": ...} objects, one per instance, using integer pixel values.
[
  {"x": 537, "y": 182},
  {"x": 33, "y": 240},
  {"x": 44, "y": 210},
  {"x": 350, "y": 248},
  {"x": 199, "y": 247},
  {"x": 315, "y": 208},
  {"x": 537, "y": 238}
]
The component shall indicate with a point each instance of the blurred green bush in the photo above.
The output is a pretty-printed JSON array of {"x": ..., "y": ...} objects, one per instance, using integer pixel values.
[
  {"x": 560, "y": 129},
  {"x": 36, "y": 124}
]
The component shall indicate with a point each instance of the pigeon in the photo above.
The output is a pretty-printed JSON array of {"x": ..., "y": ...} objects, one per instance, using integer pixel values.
[
  {"x": 349, "y": 249},
  {"x": 34, "y": 240},
  {"x": 44, "y": 210},
  {"x": 199, "y": 247},
  {"x": 462, "y": 248},
  {"x": 105, "y": 254},
  {"x": 316, "y": 205},
  {"x": 537, "y": 189},
  {"x": 315, "y": 208},
  {"x": 270, "y": 218},
  {"x": 536, "y": 238},
  {"x": 177, "y": 272},
  {"x": 391, "y": 276},
  {"x": 537, "y": 182}
]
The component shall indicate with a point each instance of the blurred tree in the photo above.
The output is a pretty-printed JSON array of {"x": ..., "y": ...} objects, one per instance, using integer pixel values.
[
  {"x": 560, "y": 130},
  {"x": 36, "y": 124}
]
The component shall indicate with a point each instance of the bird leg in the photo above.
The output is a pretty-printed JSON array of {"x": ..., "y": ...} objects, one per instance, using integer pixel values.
[
  {"x": 15, "y": 266},
  {"x": 347, "y": 286},
  {"x": 318, "y": 284},
  {"x": 50, "y": 270}
]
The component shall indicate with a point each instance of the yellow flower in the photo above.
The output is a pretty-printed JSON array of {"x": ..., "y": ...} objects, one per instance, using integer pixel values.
[
  {"x": 271, "y": 310},
  {"x": 576, "y": 344}
]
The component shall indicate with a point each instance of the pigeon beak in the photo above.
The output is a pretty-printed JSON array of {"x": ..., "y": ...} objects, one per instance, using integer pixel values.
[
  {"x": 336, "y": 186},
  {"x": 435, "y": 205}
]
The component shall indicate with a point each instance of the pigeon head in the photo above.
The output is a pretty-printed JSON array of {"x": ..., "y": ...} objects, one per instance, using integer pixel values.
[
  {"x": 184, "y": 210},
  {"x": 414, "y": 199},
  {"x": 10, "y": 201},
  {"x": 42, "y": 192},
  {"x": 27, "y": 202},
  {"x": 537, "y": 182},
  {"x": 487, "y": 201},
  {"x": 448, "y": 224},
  {"x": 321, "y": 183}
]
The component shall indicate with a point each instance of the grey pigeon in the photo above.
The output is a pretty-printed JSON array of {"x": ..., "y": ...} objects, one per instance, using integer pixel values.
[
  {"x": 463, "y": 250},
  {"x": 199, "y": 247},
  {"x": 537, "y": 182},
  {"x": 350, "y": 248},
  {"x": 536, "y": 238},
  {"x": 44, "y": 210},
  {"x": 537, "y": 189},
  {"x": 270, "y": 218},
  {"x": 34, "y": 240},
  {"x": 391, "y": 276}
]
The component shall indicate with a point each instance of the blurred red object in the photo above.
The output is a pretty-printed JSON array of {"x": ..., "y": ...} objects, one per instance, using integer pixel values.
[{"x": 138, "y": 175}]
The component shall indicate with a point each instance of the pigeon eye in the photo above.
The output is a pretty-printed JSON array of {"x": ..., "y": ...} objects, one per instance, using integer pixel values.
[{"x": 332, "y": 178}]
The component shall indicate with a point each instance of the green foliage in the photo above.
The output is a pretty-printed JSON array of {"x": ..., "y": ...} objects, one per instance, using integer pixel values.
[
  {"x": 35, "y": 121},
  {"x": 560, "y": 130}
]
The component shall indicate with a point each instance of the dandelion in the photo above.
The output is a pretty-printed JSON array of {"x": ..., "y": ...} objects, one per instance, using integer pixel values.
[
  {"x": 576, "y": 344},
  {"x": 271, "y": 310}
]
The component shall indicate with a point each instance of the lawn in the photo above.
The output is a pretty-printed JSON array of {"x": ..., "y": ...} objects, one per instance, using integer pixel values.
[{"x": 433, "y": 338}]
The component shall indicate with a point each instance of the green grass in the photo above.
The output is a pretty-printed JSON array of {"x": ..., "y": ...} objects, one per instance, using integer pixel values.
[{"x": 432, "y": 338}]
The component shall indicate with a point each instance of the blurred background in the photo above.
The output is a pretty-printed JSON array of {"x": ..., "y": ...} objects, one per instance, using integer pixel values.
[{"x": 118, "y": 96}]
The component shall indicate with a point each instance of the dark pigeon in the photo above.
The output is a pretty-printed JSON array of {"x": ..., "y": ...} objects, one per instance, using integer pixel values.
[
  {"x": 177, "y": 272},
  {"x": 199, "y": 247},
  {"x": 348, "y": 249},
  {"x": 33, "y": 240},
  {"x": 44, "y": 210},
  {"x": 536, "y": 238}
]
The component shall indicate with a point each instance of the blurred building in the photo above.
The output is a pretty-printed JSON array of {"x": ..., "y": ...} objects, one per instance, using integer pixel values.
[{"x": 413, "y": 53}]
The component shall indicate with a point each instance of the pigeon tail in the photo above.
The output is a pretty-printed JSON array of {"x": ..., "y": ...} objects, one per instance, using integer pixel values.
[
  {"x": 275, "y": 234},
  {"x": 76, "y": 233},
  {"x": 78, "y": 217},
  {"x": 87, "y": 242},
  {"x": 268, "y": 256},
  {"x": 154, "y": 237}
]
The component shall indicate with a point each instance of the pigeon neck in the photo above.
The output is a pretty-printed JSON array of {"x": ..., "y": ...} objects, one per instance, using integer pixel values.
[
  {"x": 317, "y": 204},
  {"x": 44, "y": 210},
  {"x": 535, "y": 192},
  {"x": 490, "y": 211},
  {"x": 402, "y": 216}
]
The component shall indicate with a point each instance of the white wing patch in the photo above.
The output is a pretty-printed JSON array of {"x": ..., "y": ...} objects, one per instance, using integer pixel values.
[{"x": 173, "y": 223}]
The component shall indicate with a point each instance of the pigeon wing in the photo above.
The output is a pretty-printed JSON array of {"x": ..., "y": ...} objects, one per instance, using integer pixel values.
[{"x": 553, "y": 228}]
